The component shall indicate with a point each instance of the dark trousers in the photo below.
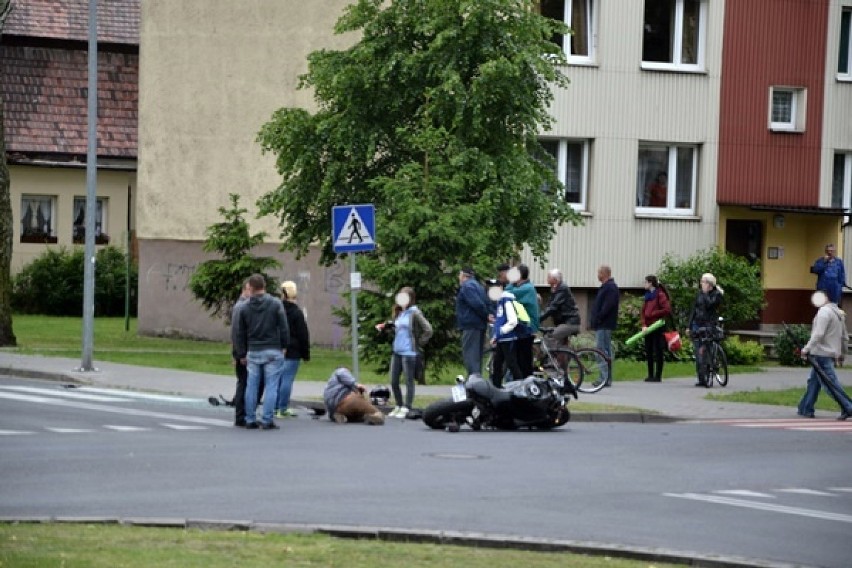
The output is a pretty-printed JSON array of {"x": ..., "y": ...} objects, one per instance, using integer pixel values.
[
  {"x": 506, "y": 355},
  {"x": 525, "y": 356},
  {"x": 240, "y": 394},
  {"x": 655, "y": 345}
]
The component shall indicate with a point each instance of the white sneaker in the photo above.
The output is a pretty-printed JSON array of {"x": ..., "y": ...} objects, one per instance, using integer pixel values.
[
  {"x": 393, "y": 413},
  {"x": 403, "y": 412}
]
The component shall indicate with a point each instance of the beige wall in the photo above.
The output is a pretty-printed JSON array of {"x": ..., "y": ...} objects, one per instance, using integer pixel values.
[{"x": 64, "y": 184}]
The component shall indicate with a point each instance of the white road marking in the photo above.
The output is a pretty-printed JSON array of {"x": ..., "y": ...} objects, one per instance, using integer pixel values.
[
  {"x": 64, "y": 394},
  {"x": 70, "y": 430},
  {"x": 802, "y": 491},
  {"x": 120, "y": 428},
  {"x": 14, "y": 432},
  {"x": 135, "y": 394},
  {"x": 843, "y": 489},
  {"x": 823, "y": 515},
  {"x": 183, "y": 426},
  {"x": 745, "y": 493},
  {"x": 116, "y": 409}
]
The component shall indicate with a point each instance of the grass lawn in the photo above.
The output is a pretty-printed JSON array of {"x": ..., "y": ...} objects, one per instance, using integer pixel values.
[
  {"x": 787, "y": 397},
  {"x": 70, "y": 545}
]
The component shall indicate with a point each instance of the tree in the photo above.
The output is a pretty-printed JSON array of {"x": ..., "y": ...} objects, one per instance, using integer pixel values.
[
  {"x": 743, "y": 298},
  {"x": 217, "y": 283},
  {"x": 432, "y": 116},
  {"x": 7, "y": 230}
]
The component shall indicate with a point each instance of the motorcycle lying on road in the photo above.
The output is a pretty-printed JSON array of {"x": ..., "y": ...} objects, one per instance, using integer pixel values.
[{"x": 535, "y": 402}]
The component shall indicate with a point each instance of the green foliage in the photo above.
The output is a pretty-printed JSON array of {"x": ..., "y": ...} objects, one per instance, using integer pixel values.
[
  {"x": 741, "y": 352},
  {"x": 52, "y": 284},
  {"x": 787, "y": 349},
  {"x": 629, "y": 323},
  {"x": 740, "y": 280},
  {"x": 433, "y": 117},
  {"x": 217, "y": 283}
]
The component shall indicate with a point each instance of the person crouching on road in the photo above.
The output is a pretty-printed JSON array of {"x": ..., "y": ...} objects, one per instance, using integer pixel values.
[
  {"x": 345, "y": 402},
  {"x": 505, "y": 340},
  {"x": 828, "y": 343}
]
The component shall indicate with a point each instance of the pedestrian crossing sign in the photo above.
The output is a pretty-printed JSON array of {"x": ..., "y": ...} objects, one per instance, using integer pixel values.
[{"x": 353, "y": 228}]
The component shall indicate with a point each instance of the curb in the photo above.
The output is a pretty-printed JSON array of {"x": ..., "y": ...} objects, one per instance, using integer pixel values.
[{"x": 419, "y": 536}]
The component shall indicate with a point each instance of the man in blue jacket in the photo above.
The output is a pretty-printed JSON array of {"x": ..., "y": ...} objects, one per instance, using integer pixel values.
[
  {"x": 831, "y": 274},
  {"x": 605, "y": 315},
  {"x": 471, "y": 319}
]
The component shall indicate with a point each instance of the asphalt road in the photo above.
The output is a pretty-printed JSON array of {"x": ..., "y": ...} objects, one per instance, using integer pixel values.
[{"x": 765, "y": 493}]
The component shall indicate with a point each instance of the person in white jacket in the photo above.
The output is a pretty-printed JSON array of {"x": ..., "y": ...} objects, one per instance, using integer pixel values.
[{"x": 827, "y": 345}]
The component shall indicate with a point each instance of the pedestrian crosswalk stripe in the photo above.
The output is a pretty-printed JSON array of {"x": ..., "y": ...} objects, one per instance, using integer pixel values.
[
  {"x": 120, "y": 428},
  {"x": 795, "y": 424},
  {"x": 842, "y": 489},
  {"x": 801, "y": 491},
  {"x": 14, "y": 432},
  {"x": 183, "y": 426},
  {"x": 63, "y": 394},
  {"x": 134, "y": 394},
  {"x": 70, "y": 430},
  {"x": 745, "y": 493}
]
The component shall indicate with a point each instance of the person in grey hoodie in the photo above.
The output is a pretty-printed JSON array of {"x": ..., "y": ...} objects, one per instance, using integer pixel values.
[
  {"x": 344, "y": 399},
  {"x": 828, "y": 343},
  {"x": 262, "y": 338}
]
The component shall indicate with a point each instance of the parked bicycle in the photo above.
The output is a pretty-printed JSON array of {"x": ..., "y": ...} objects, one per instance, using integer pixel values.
[{"x": 713, "y": 362}]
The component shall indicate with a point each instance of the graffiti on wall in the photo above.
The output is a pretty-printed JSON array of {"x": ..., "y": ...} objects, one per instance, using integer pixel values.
[{"x": 173, "y": 277}]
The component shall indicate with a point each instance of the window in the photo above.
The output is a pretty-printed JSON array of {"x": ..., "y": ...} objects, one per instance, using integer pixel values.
[
  {"x": 79, "y": 228},
  {"x": 572, "y": 167},
  {"x": 38, "y": 219},
  {"x": 787, "y": 109},
  {"x": 841, "y": 183},
  {"x": 666, "y": 179},
  {"x": 581, "y": 17},
  {"x": 673, "y": 35},
  {"x": 844, "y": 67}
]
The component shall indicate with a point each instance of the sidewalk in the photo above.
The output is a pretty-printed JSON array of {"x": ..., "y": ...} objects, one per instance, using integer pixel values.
[{"x": 673, "y": 398}]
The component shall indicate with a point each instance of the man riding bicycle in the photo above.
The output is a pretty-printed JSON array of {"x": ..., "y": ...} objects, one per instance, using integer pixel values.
[{"x": 562, "y": 309}]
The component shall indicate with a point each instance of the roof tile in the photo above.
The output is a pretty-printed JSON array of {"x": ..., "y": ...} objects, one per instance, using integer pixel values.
[{"x": 118, "y": 20}]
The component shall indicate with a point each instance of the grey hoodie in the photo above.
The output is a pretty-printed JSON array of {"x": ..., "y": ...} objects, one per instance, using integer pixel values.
[
  {"x": 261, "y": 325},
  {"x": 828, "y": 333},
  {"x": 339, "y": 385}
]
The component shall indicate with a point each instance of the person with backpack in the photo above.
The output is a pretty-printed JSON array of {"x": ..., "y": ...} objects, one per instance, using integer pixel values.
[
  {"x": 507, "y": 328},
  {"x": 657, "y": 306},
  {"x": 526, "y": 295}
]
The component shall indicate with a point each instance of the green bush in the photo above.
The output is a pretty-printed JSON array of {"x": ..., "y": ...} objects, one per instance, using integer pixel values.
[
  {"x": 629, "y": 323},
  {"x": 741, "y": 352},
  {"x": 787, "y": 349},
  {"x": 52, "y": 284}
]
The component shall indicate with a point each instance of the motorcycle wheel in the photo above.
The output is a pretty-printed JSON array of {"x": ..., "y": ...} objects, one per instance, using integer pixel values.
[{"x": 443, "y": 413}]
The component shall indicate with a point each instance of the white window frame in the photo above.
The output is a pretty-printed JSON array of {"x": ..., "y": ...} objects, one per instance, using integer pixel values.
[
  {"x": 51, "y": 199},
  {"x": 677, "y": 47},
  {"x": 847, "y": 74},
  {"x": 562, "y": 168},
  {"x": 798, "y": 107},
  {"x": 671, "y": 209},
  {"x": 846, "y": 183},
  {"x": 592, "y": 30},
  {"x": 101, "y": 209}
]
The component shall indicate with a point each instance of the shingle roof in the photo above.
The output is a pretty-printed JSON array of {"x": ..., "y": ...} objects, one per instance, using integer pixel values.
[
  {"x": 118, "y": 20},
  {"x": 45, "y": 89}
]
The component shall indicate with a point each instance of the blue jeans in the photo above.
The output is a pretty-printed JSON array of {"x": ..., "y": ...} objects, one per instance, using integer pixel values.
[
  {"x": 826, "y": 364},
  {"x": 603, "y": 341},
  {"x": 270, "y": 362},
  {"x": 403, "y": 364},
  {"x": 285, "y": 387}
]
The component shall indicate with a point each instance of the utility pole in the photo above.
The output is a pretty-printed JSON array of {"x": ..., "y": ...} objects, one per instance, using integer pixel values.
[{"x": 91, "y": 195}]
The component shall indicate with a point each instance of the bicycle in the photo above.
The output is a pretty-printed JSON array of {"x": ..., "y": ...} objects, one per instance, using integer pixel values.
[
  {"x": 715, "y": 364},
  {"x": 585, "y": 366}
]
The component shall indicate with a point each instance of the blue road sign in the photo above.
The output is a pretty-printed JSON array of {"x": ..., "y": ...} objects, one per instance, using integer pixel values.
[{"x": 353, "y": 228}]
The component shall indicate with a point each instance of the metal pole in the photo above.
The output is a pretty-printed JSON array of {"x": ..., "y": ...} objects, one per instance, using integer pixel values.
[
  {"x": 354, "y": 327},
  {"x": 91, "y": 194},
  {"x": 127, "y": 269}
]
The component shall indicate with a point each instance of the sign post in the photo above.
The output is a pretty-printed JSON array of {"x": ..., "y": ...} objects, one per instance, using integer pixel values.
[{"x": 353, "y": 229}]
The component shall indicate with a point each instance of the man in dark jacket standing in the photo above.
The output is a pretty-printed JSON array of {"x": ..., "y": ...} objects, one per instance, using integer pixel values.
[
  {"x": 239, "y": 364},
  {"x": 472, "y": 320},
  {"x": 605, "y": 316},
  {"x": 562, "y": 309},
  {"x": 262, "y": 338}
]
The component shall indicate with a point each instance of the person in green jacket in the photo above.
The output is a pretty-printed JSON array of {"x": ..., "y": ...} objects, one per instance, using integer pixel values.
[{"x": 525, "y": 293}]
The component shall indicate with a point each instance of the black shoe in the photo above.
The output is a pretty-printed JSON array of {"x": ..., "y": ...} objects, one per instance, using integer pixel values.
[
  {"x": 240, "y": 423},
  {"x": 700, "y": 383},
  {"x": 269, "y": 426},
  {"x": 843, "y": 416},
  {"x": 251, "y": 426},
  {"x": 652, "y": 380}
]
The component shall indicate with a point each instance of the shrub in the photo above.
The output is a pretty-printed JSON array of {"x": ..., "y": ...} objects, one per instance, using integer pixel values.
[
  {"x": 52, "y": 284},
  {"x": 787, "y": 349},
  {"x": 741, "y": 352},
  {"x": 629, "y": 323}
]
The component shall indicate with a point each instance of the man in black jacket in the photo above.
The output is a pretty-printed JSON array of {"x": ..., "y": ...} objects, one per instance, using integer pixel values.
[
  {"x": 605, "y": 316},
  {"x": 562, "y": 309}
]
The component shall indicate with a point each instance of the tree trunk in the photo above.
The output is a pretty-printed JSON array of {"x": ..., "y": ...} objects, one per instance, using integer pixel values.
[{"x": 7, "y": 229}]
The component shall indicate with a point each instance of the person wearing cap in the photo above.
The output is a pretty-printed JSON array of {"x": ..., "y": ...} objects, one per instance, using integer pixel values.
[
  {"x": 831, "y": 274},
  {"x": 828, "y": 344},
  {"x": 471, "y": 319},
  {"x": 525, "y": 293},
  {"x": 345, "y": 401},
  {"x": 298, "y": 349}
]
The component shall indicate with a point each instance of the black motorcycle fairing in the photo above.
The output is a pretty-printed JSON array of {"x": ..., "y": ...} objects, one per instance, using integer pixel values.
[{"x": 486, "y": 391}]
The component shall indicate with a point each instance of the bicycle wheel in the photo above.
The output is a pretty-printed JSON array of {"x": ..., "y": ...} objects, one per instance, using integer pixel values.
[
  {"x": 720, "y": 366},
  {"x": 595, "y": 368},
  {"x": 569, "y": 367}
]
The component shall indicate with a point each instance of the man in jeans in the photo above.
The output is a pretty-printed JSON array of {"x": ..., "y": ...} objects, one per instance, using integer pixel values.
[
  {"x": 262, "y": 338},
  {"x": 344, "y": 399},
  {"x": 239, "y": 364},
  {"x": 828, "y": 343},
  {"x": 471, "y": 319},
  {"x": 605, "y": 316}
]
